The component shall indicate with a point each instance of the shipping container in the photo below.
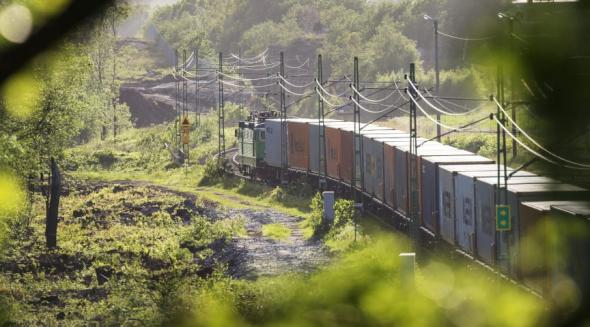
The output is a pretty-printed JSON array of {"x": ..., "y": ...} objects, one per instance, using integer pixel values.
[
  {"x": 498, "y": 247},
  {"x": 272, "y": 155},
  {"x": 314, "y": 142},
  {"x": 446, "y": 191},
  {"x": 401, "y": 171},
  {"x": 543, "y": 261},
  {"x": 575, "y": 217},
  {"x": 466, "y": 220},
  {"x": 460, "y": 180},
  {"x": 389, "y": 177},
  {"x": 298, "y": 143},
  {"x": 429, "y": 181}
]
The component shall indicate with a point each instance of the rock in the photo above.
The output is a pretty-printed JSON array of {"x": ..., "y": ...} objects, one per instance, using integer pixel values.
[
  {"x": 78, "y": 213},
  {"x": 104, "y": 274},
  {"x": 184, "y": 214},
  {"x": 118, "y": 188}
]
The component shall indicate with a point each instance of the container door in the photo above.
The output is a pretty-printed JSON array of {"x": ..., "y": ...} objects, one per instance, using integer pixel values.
[
  {"x": 464, "y": 213},
  {"x": 446, "y": 205},
  {"x": 401, "y": 181},
  {"x": 428, "y": 195},
  {"x": 486, "y": 224},
  {"x": 388, "y": 162}
]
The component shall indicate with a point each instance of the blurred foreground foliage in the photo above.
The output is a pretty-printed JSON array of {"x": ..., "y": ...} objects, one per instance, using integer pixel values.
[{"x": 363, "y": 288}]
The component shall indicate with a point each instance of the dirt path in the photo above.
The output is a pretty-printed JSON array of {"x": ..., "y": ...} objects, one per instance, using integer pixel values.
[
  {"x": 255, "y": 255},
  {"x": 265, "y": 256}
]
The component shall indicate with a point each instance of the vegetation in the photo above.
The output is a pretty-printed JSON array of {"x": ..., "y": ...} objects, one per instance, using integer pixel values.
[
  {"x": 276, "y": 231},
  {"x": 123, "y": 252}
]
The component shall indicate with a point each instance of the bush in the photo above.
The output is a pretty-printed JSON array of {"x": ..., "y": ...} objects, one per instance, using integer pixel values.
[
  {"x": 343, "y": 213},
  {"x": 314, "y": 219},
  {"x": 105, "y": 158},
  {"x": 212, "y": 173}
]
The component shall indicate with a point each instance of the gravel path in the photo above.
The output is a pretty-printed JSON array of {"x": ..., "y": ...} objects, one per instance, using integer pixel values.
[
  {"x": 255, "y": 255},
  {"x": 264, "y": 256}
]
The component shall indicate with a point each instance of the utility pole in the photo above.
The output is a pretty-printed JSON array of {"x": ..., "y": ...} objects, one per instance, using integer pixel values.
[
  {"x": 284, "y": 154},
  {"x": 357, "y": 164},
  {"x": 502, "y": 181},
  {"x": 511, "y": 47},
  {"x": 322, "y": 129},
  {"x": 240, "y": 82},
  {"x": 114, "y": 82},
  {"x": 197, "y": 113},
  {"x": 436, "y": 71},
  {"x": 512, "y": 88},
  {"x": 184, "y": 106},
  {"x": 176, "y": 100},
  {"x": 221, "y": 116},
  {"x": 413, "y": 169}
]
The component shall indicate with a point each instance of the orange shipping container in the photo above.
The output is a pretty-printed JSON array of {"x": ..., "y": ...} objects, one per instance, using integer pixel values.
[
  {"x": 298, "y": 132},
  {"x": 346, "y": 155},
  {"x": 333, "y": 154}
]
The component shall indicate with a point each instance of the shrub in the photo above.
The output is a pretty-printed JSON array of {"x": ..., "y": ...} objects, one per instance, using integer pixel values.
[{"x": 106, "y": 158}]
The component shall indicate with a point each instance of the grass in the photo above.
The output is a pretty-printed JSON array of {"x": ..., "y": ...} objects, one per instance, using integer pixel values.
[
  {"x": 139, "y": 239},
  {"x": 277, "y": 232}
]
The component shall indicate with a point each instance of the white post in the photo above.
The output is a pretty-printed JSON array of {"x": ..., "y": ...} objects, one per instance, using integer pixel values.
[
  {"x": 407, "y": 269},
  {"x": 328, "y": 216}
]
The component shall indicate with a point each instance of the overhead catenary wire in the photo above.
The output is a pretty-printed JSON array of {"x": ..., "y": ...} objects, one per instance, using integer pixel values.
[
  {"x": 242, "y": 79},
  {"x": 372, "y": 100},
  {"x": 433, "y": 106},
  {"x": 317, "y": 90},
  {"x": 467, "y": 109},
  {"x": 326, "y": 91},
  {"x": 292, "y": 92},
  {"x": 529, "y": 149},
  {"x": 295, "y": 85},
  {"x": 259, "y": 68},
  {"x": 249, "y": 86},
  {"x": 250, "y": 60},
  {"x": 306, "y": 62},
  {"x": 523, "y": 132},
  {"x": 429, "y": 117},
  {"x": 462, "y": 38},
  {"x": 373, "y": 111}
]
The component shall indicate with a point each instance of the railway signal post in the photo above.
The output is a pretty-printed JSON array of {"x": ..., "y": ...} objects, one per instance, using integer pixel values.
[{"x": 502, "y": 182}]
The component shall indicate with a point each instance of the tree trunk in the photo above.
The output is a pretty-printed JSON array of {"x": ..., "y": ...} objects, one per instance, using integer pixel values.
[{"x": 53, "y": 208}]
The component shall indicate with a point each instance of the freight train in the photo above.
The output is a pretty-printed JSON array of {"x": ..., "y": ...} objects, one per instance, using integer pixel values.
[{"x": 457, "y": 194}]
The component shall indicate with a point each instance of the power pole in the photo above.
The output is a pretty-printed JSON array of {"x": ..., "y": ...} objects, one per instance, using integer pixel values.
[
  {"x": 197, "y": 113},
  {"x": 221, "y": 116},
  {"x": 176, "y": 98},
  {"x": 184, "y": 147},
  {"x": 284, "y": 153},
  {"x": 437, "y": 72},
  {"x": 240, "y": 83},
  {"x": 114, "y": 88},
  {"x": 357, "y": 164},
  {"x": 512, "y": 88},
  {"x": 322, "y": 137},
  {"x": 502, "y": 182},
  {"x": 413, "y": 169}
]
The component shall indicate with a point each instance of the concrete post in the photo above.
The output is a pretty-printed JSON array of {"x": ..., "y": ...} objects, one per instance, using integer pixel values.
[
  {"x": 407, "y": 269},
  {"x": 329, "y": 200}
]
